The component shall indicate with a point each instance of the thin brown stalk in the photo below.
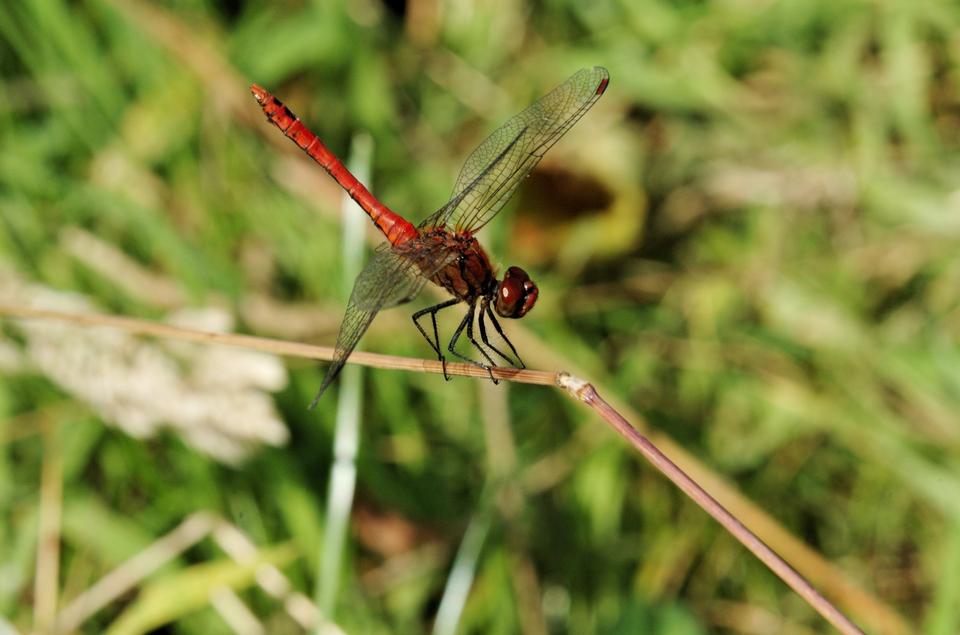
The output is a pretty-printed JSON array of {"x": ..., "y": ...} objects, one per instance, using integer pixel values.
[
  {"x": 47, "y": 579},
  {"x": 238, "y": 546},
  {"x": 33, "y": 422},
  {"x": 549, "y": 470},
  {"x": 126, "y": 576},
  {"x": 578, "y": 388},
  {"x": 235, "y": 613},
  {"x": 278, "y": 347},
  {"x": 510, "y": 496},
  {"x": 586, "y": 393}
]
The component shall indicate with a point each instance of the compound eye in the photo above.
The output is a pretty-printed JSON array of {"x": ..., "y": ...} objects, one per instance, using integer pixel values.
[{"x": 516, "y": 294}]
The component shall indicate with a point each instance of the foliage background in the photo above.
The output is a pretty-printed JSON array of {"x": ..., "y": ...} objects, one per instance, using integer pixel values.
[{"x": 752, "y": 239}]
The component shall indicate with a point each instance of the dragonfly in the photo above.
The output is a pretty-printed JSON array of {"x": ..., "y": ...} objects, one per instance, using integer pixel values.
[{"x": 442, "y": 249}]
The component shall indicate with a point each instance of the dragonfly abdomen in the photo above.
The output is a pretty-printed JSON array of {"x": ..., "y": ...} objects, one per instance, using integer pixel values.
[{"x": 396, "y": 228}]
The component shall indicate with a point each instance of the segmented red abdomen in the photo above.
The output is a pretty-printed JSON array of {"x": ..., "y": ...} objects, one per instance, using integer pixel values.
[{"x": 396, "y": 228}]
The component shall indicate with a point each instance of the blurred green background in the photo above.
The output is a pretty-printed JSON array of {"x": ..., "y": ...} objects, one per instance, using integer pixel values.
[{"x": 753, "y": 239}]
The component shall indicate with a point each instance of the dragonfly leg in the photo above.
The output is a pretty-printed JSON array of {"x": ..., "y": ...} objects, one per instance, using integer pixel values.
[
  {"x": 485, "y": 308},
  {"x": 468, "y": 323},
  {"x": 435, "y": 342},
  {"x": 496, "y": 325}
]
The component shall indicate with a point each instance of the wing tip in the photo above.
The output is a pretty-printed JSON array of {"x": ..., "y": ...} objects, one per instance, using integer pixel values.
[
  {"x": 316, "y": 400},
  {"x": 604, "y": 79},
  {"x": 332, "y": 373}
]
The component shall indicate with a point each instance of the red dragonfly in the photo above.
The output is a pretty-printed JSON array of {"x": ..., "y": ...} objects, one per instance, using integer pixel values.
[{"x": 442, "y": 249}]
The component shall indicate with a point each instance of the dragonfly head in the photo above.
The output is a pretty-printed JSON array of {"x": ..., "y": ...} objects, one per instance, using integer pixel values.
[{"x": 516, "y": 294}]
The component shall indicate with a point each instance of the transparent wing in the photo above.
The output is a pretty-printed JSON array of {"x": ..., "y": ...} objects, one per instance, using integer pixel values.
[
  {"x": 494, "y": 170},
  {"x": 393, "y": 276}
]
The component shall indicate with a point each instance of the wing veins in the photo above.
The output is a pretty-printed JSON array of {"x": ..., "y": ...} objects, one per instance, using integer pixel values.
[
  {"x": 544, "y": 123},
  {"x": 439, "y": 218},
  {"x": 391, "y": 277}
]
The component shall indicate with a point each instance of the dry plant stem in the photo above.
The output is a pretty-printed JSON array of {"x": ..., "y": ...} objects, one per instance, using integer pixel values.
[
  {"x": 278, "y": 347},
  {"x": 235, "y": 613},
  {"x": 192, "y": 530},
  {"x": 582, "y": 390},
  {"x": 551, "y": 469},
  {"x": 128, "y": 574},
  {"x": 47, "y": 579},
  {"x": 238, "y": 546},
  {"x": 510, "y": 498},
  {"x": 34, "y": 422},
  {"x": 586, "y": 393}
]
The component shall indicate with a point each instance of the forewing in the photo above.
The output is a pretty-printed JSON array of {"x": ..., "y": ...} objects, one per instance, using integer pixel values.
[
  {"x": 392, "y": 276},
  {"x": 495, "y": 169}
]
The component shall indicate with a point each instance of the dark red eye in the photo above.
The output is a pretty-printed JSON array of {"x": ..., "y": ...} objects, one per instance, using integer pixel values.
[{"x": 516, "y": 294}]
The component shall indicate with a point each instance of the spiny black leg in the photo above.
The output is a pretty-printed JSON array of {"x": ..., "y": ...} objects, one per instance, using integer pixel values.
[
  {"x": 477, "y": 346},
  {"x": 484, "y": 308},
  {"x": 496, "y": 325},
  {"x": 468, "y": 323},
  {"x": 435, "y": 342},
  {"x": 432, "y": 310}
]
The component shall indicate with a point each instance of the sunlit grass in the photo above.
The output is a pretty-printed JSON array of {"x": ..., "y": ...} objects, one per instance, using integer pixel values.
[{"x": 764, "y": 264}]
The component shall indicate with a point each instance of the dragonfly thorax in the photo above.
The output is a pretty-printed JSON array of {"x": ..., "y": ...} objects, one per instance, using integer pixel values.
[{"x": 469, "y": 275}]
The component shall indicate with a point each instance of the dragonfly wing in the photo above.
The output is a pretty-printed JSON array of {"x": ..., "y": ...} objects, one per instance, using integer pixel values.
[
  {"x": 495, "y": 169},
  {"x": 393, "y": 276}
]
